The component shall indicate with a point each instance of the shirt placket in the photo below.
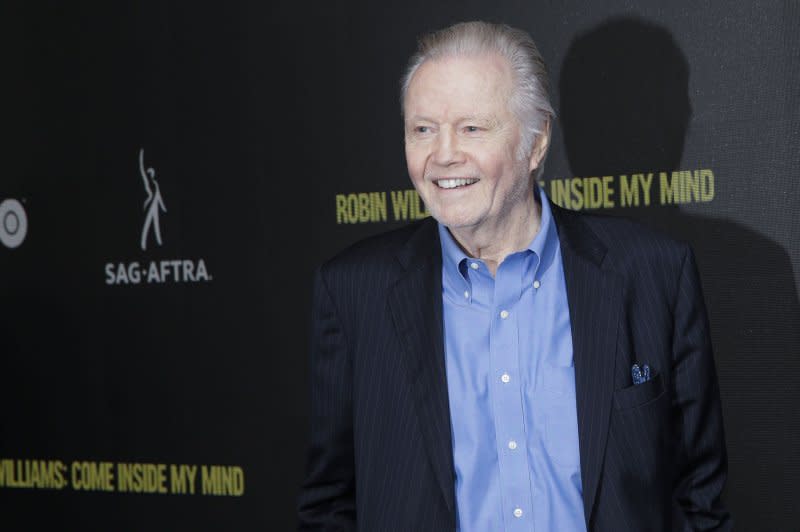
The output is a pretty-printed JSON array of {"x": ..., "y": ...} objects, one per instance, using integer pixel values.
[{"x": 506, "y": 390}]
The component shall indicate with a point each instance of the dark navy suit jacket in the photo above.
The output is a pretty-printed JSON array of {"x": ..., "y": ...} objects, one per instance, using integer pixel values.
[{"x": 380, "y": 457}]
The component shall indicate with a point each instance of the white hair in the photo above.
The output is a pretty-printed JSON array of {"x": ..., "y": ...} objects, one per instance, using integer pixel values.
[{"x": 529, "y": 100}]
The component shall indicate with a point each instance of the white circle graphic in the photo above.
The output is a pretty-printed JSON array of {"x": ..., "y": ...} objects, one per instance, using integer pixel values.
[{"x": 13, "y": 223}]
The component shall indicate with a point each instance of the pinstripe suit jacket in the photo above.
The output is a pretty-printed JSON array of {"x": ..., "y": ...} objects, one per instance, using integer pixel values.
[{"x": 380, "y": 457}]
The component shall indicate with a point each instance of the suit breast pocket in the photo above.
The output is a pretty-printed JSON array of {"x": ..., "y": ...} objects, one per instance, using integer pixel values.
[{"x": 639, "y": 394}]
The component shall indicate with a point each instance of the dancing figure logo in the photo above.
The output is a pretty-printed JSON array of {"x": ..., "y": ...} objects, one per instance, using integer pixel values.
[{"x": 153, "y": 204}]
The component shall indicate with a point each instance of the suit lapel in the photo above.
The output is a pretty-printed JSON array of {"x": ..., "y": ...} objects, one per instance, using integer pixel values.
[
  {"x": 594, "y": 297},
  {"x": 416, "y": 306}
]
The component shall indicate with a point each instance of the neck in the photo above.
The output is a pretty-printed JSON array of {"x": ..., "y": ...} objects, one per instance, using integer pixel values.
[{"x": 492, "y": 243}]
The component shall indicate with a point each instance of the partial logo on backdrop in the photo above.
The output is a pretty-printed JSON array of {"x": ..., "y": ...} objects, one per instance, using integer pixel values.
[
  {"x": 13, "y": 223},
  {"x": 151, "y": 271}
]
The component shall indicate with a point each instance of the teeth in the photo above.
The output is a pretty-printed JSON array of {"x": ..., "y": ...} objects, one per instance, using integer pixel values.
[{"x": 453, "y": 183}]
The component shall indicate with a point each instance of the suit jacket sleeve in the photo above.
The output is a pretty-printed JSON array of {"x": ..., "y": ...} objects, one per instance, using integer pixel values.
[
  {"x": 327, "y": 497},
  {"x": 702, "y": 463}
]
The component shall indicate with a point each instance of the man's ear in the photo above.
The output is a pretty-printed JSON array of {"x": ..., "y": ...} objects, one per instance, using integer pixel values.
[{"x": 540, "y": 146}]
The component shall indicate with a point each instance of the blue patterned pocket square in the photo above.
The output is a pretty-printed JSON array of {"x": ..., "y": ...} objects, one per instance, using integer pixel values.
[{"x": 640, "y": 375}]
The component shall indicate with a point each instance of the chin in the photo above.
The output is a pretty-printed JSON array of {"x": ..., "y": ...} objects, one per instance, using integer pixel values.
[{"x": 455, "y": 220}]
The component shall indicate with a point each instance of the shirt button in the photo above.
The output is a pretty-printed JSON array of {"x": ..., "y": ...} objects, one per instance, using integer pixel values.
[
  {"x": 537, "y": 284},
  {"x": 505, "y": 378},
  {"x": 474, "y": 266},
  {"x": 504, "y": 314},
  {"x": 512, "y": 445},
  {"x": 466, "y": 294},
  {"x": 518, "y": 512}
]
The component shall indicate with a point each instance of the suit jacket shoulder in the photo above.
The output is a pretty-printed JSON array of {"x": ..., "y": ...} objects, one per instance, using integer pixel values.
[
  {"x": 623, "y": 245},
  {"x": 380, "y": 259},
  {"x": 379, "y": 249}
]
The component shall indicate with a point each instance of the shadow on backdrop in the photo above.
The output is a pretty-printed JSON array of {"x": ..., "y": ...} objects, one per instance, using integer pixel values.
[{"x": 625, "y": 108}]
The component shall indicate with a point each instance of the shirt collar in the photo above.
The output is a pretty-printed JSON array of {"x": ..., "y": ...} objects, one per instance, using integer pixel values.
[
  {"x": 543, "y": 244},
  {"x": 452, "y": 256}
]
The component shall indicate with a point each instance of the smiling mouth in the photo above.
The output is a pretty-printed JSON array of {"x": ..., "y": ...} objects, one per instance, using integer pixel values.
[{"x": 455, "y": 182}]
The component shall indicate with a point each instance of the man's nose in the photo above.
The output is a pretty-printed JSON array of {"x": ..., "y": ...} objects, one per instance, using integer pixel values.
[{"x": 447, "y": 149}]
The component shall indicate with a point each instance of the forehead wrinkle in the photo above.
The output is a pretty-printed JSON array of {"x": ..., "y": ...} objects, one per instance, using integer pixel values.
[
  {"x": 488, "y": 119},
  {"x": 421, "y": 118}
]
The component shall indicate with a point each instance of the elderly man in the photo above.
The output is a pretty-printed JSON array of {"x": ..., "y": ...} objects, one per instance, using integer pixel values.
[{"x": 507, "y": 365}]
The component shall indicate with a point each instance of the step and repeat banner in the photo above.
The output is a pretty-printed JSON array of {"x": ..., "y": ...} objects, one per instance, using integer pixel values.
[{"x": 173, "y": 173}]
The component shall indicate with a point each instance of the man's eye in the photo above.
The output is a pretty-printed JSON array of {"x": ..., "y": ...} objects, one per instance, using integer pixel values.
[
  {"x": 421, "y": 129},
  {"x": 472, "y": 129}
]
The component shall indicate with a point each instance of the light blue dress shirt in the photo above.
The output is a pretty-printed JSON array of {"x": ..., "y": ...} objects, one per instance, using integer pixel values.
[{"x": 511, "y": 385}]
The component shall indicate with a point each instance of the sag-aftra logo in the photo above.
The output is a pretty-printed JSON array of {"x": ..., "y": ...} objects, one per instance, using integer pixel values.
[{"x": 180, "y": 270}]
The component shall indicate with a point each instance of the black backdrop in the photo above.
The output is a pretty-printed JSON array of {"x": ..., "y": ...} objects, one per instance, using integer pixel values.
[{"x": 273, "y": 134}]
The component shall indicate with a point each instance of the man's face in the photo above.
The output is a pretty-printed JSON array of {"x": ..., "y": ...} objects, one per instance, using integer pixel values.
[{"x": 462, "y": 141}]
